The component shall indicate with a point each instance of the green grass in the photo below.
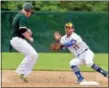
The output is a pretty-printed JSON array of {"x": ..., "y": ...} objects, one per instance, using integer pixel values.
[{"x": 51, "y": 61}]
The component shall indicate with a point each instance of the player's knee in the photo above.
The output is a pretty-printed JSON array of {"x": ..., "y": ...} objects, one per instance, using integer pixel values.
[
  {"x": 72, "y": 63},
  {"x": 89, "y": 63},
  {"x": 34, "y": 55}
]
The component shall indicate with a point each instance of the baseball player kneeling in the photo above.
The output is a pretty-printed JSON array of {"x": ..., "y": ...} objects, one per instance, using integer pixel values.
[{"x": 83, "y": 54}]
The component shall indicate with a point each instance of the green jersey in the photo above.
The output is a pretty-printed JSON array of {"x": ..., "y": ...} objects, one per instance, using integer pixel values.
[{"x": 20, "y": 20}]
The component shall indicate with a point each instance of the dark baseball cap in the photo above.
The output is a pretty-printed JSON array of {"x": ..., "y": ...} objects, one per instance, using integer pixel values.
[{"x": 28, "y": 7}]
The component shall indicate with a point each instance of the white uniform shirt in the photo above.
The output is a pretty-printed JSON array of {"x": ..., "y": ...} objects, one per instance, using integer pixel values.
[{"x": 78, "y": 47}]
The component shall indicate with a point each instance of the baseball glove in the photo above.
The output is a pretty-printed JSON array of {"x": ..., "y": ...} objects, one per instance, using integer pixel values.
[{"x": 55, "y": 46}]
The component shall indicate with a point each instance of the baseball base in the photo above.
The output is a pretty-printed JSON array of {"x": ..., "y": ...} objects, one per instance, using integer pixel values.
[{"x": 89, "y": 83}]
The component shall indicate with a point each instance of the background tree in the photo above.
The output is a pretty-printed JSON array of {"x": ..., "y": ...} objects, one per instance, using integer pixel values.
[{"x": 58, "y": 5}]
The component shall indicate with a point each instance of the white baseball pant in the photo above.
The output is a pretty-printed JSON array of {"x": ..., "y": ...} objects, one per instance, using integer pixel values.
[
  {"x": 30, "y": 58},
  {"x": 85, "y": 58}
]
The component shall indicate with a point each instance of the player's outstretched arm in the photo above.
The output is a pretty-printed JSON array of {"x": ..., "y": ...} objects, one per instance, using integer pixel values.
[
  {"x": 56, "y": 46},
  {"x": 57, "y": 36},
  {"x": 70, "y": 43}
]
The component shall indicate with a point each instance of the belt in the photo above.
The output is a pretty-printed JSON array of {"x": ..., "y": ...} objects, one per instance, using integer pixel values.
[{"x": 82, "y": 52}]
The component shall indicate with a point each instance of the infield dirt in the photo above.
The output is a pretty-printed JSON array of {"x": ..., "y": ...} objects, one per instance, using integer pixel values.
[{"x": 50, "y": 79}]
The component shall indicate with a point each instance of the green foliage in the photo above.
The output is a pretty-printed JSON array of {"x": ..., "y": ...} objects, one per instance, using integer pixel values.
[{"x": 58, "y": 5}]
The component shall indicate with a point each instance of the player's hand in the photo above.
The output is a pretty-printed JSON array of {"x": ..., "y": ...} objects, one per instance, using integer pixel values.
[
  {"x": 31, "y": 40},
  {"x": 29, "y": 32},
  {"x": 27, "y": 36},
  {"x": 55, "y": 46},
  {"x": 57, "y": 36}
]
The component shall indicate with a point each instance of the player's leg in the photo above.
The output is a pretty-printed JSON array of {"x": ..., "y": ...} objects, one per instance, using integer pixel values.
[
  {"x": 30, "y": 56},
  {"x": 89, "y": 56},
  {"x": 25, "y": 67},
  {"x": 74, "y": 66}
]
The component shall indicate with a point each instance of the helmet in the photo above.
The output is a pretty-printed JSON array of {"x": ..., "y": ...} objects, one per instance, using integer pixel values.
[{"x": 28, "y": 7}]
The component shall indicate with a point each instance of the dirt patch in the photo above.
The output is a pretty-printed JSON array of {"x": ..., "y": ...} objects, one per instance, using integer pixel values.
[{"x": 49, "y": 79}]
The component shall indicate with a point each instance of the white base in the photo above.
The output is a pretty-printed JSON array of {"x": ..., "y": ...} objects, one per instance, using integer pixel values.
[{"x": 89, "y": 83}]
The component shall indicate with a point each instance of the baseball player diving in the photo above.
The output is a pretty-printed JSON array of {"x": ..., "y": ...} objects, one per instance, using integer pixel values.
[
  {"x": 83, "y": 54},
  {"x": 21, "y": 34}
]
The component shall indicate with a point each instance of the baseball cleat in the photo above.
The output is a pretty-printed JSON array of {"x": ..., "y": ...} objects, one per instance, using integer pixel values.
[
  {"x": 81, "y": 80},
  {"x": 23, "y": 78},
  {"x": 106, "y": 75}
]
